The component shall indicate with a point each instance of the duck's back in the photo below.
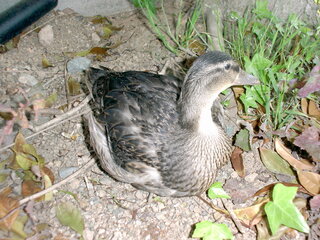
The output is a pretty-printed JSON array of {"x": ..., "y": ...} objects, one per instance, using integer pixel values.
[{"x": 138, "y": 111}]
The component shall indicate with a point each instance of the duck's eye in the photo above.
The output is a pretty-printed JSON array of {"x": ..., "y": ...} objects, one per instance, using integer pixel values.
[{"x": 227, "y": 66}]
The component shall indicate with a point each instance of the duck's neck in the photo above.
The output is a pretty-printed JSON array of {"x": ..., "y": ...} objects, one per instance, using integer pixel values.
[{"x": 196, "y": 115}]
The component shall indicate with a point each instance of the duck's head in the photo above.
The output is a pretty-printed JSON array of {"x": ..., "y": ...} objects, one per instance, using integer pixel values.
[
  {"x": 213, "y": 72},
  {"x": 210, "y": 74}
]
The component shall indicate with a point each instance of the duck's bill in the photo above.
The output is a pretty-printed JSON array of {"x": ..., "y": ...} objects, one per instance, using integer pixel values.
[{"x": 246, "y": 79}]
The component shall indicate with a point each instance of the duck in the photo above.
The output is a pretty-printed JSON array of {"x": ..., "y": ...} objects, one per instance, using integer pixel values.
[{"x": 156, "y": 132}]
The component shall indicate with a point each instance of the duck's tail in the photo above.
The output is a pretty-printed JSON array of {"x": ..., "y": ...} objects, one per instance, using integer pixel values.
[{"x": 100, "y": 142}]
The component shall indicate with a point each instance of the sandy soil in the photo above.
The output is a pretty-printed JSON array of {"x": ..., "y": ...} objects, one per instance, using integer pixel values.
[{"x": 111, "y": 210}]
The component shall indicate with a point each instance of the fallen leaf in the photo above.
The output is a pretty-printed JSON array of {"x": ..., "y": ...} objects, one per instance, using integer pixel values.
[
  {"x": 237, "y": 161},
  {"x": 30, "y": 187},
  {"x": 304, "y": 105},
  {"x": 47, "y": 183},
  {"x": 99, "y": 51},
  {"x": 275, "y": 163},
  {"x": 313, "y": 82},
  {"x": 243, "y": 140},
  {"x": 51, "y": 100},
  {"x": 252, "y": 215},
  {"x": 282, "y": 211},
  {"x": 45, "y": 63},
  {"x": 18, "y": 226},
  {"x": 7, "y": 204},
  {"x": 269, "y": 187},
  {"x": 310, "y": 181},
  {"x": 216, "y": 191},
  {"x": 212, "y": 231},
  {"x": 73, "y": 87},
  {"x": 196, "y": 46},
  {"x": 99, "y": 20},
  {"x": 69, "y": 215},
  {"x": 6, "y": 115},
  {"x": 285, "y": 154},
  {"x": 315, "y": 202},
  {"x": 309, "y": 140}
]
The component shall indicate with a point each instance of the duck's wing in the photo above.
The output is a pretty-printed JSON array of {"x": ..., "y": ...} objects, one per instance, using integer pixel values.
[{"x": 137, "y": 109}]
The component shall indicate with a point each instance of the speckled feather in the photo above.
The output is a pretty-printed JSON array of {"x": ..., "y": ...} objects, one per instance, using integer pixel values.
[{"x": 150, "y": 133}]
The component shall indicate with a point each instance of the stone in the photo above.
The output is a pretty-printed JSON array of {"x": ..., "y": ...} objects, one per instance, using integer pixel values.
[
  {"x": 27, "y": 79},
  {"x": 46, "y": 36}
]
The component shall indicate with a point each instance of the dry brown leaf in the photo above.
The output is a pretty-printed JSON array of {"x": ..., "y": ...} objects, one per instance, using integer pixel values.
[
  {"x": 313, "y": 110},
  {"x": 270, "y": 187},
  {"x": 48, "y": 172},
  {"x": 7, "y": 204},
  {"x": 310, "y": 181},
  {"x": 304, "y": 105},
  {"x": 30, "y": 187},
  {"x": 99, "y": 51},
  {"x": 237, "y": 161},
  {"x": 285, "y": 154},
  {"x": 253, "y": 214}
]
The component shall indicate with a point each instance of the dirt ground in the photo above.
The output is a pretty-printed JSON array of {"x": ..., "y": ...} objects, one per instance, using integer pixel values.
[{"x": 111, "y": 210}]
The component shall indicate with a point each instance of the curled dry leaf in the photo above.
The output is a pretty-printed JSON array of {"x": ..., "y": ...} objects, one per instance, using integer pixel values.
[
  {"x": 304, "y": 105},
  {"x": 313, "y": 110},
  {"x": 310, "y": 181},
  {"x": 237, "y": 161},
  {"x": 285, "y": 154},
  {"x": 269, "y": 187},
  {"x": 252, "y": 215}
]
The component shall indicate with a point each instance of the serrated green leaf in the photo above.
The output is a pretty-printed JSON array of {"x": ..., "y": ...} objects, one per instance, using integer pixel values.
[
  {"x": 212, "y": 231},
  {"x": 216, "y": 191},
  {"x": 281, "y": 210},
  {"x": 69, "y": 215},
  {"x": 274, "y": 163},
  {"x": 243, "y": 140}
]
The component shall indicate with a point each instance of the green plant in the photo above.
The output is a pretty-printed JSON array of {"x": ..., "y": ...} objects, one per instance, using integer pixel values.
[
  {"x": 275, "y": 51},
  {"x": 176, "y": 37}
]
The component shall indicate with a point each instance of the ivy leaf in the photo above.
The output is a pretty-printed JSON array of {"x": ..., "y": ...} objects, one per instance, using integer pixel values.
[
  {"x": 69, "y": 215},
  {"x": 212, "y": 231},
  {"x": 243, "y": 140},
  {"x": 216, "y": 191},
  {"x": 281, "y": 210}
]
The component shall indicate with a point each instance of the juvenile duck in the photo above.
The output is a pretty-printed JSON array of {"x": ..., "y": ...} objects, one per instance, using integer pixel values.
[{"x": 156, "y": 132}]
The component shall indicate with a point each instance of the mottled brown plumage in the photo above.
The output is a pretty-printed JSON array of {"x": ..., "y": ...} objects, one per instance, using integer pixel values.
[{"x": 156, "y": 132}]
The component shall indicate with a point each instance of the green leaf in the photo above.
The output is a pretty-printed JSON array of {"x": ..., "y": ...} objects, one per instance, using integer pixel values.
[
  {"x": 243, "y": 140},
  {"x": 275, "y": 163},
  {"x": 216, "y": 191},
  {"x": 51, "y": 99},
  {"x": 69, "y": 215},
  {"x": 281, "y": 210},
  {"x": 212, "y": 231},
  {"x": 24, "y": 162}
]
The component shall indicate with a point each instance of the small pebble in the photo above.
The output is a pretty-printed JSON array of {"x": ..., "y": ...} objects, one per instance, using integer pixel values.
[
  {"x": 65, "y": 172},
  {"x": 95, "y": 37},
  {"x": 28, "y": 79},
  {"x": 78, "y": 65},
  {"x": 251, "y": 177},
  {"x": 46, "y": 36}
]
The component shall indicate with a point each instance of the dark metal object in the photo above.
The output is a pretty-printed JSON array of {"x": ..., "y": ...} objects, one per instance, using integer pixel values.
[{"x": 21, "y": 15}]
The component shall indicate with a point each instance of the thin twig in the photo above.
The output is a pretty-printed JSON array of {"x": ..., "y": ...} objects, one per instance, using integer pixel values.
[
  {"x": 63, "y": 116},
  {"x": 73, "y": 113},
  {"x": 59, "y": 184},
  {"x": 233, "y": 216},
  {"x": 53, "y": 187}
]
